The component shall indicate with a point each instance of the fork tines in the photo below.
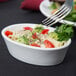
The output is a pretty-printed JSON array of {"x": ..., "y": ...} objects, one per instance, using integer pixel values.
[{"x": 60, "y": 14}]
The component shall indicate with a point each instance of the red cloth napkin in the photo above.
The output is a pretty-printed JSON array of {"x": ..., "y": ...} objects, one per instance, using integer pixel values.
[
  {"x": 3, "y": 0},
  {"x": 31, "y": 4},
  {"x": 58, "y": 0}
]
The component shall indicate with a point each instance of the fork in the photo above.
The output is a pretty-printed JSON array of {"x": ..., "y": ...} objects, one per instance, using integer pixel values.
[{"x": 60, "y": 14}]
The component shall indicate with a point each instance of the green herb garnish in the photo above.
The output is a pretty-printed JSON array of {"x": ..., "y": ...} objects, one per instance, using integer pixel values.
[
  {"x": 64, "y": 32},
  {"x": 54, "y": 6},
  {"x": 38, "y": 29},
  {"x": 72, "y": 15},
  {"x": 26, "y": 40}
]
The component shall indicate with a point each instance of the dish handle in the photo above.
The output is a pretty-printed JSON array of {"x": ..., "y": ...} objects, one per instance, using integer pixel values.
[{"x": 68, "y": 22}]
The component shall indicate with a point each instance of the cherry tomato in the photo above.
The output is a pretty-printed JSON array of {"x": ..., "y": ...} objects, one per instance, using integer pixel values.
[
  {"x": 54, "y": 11},
  {"x": 45, "y": 31},
  {"x": 34, "y": 44},
  {"x": 34, "y": 36},
  {"x": 28, "y": 28},
  {"x": 48, "y": 44},
  {"x": 74, "y": 6},
  {"x": 7, "y": 33}
]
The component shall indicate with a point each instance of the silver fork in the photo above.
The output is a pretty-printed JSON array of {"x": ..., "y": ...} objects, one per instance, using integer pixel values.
[{"x": 60, "y": 14}]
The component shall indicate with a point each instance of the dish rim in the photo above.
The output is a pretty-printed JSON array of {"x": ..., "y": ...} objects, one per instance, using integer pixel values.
[{"x": 46, "y": 15}]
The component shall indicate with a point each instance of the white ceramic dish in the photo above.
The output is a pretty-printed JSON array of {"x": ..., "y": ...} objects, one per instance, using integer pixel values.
[
  {"x": 47, "y": 12},
  {"x": 34, "y": 55}
]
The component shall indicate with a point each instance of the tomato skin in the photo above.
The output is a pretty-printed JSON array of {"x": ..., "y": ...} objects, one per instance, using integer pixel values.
[
  {"x": 10, "y": 37},
  {"x": 34, "y": 44},
  {"x": 45, "y": 31},
  {"x": 7, "y": 33},
  {"x": 48, "y": 44},
  {"x": 34, "y": 36},
  {"x": 28, "y": 28}
]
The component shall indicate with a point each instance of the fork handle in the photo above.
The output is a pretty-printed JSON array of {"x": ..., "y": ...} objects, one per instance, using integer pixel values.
[
  {"x": 69, "y": 2},
  {"x": 68, "y": 22}
]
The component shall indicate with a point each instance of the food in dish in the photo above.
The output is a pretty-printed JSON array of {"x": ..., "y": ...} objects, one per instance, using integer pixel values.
[
  {"x": 41, "y": 37},
  {"x": 54, "y": 7},
  {"x": 72, "y": 16}
]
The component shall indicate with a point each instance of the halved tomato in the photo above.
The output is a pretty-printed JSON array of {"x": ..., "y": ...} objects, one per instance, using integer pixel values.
[
  {"x": 34, "y": 36},
  {"x": 34, "y": 44},
  {"x": 48, "y": 44},
  {"x": 28, "y": 28},
  {"x": 7, "y": 33},
  {"x": 45, "y": 31}
]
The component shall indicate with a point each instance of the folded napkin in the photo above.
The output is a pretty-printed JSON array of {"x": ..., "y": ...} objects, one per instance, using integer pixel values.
[
  {"x": 31, "y": 4},
  {"x": 3, "y": 0},
  {"x": 57, "y": 0}
]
